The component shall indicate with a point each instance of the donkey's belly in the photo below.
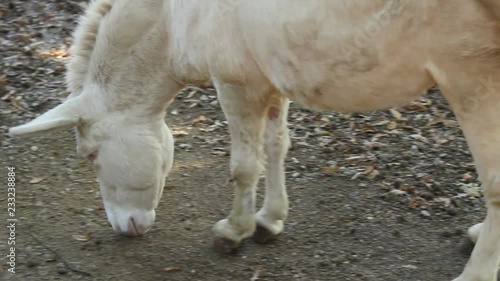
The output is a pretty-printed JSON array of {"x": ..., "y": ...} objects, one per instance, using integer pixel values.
[
  {"x": 373, "y": 90},
  {"x": 321, "y": 63}
]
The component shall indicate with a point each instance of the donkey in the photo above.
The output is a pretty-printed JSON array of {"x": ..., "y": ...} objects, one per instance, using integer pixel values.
[{"x": 131, "y": 58}]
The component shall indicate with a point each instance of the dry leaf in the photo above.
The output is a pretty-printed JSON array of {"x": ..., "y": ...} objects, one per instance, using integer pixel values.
[
  {"x": 444, "y": 200},
  {"x": 357, "y": 175},
  {"x": 443, "y": 141},
  {"x": 435, "y": 120},
  {"x": 368, "y": 170},
  {"x": 368, "y": 128},
  {"x": 396, "y": 114},
  {"x": 199, "y": 120},
  {"x": 408, "y": 188},
  {"x": 85, "y": 237},
  {"x": 471, "y": 189},
  {"x": 324, "y": 120},
  {"x": 425, "y": 102},
  {"x": 16, "y": 103},
  {"x": 36, "y": 180},
  {"x": 191, "y": 94},
  {"x": 392, "y": 125},
  {"x": 373, "y": 144},
  {"x": 331, "y": 169},
  {"x": 358, "y": 157},
  {"x": 179, "y": 133},
  {"x": 373, "y": 174},
  {"x": 466, "y": 176},
  {"x": 417, "y": 107},
  {"x": 7, "y": 96},
  {"x": 171, "y": 268},
  {"x": 36, "y": 44},
  {"x": 397, "y": 192},
  {"x": 417, "y": 202},
  {"x": 255, "y": 275},
  {"x": 450, "y": 123},
  {"x": 419, "y": 138}
]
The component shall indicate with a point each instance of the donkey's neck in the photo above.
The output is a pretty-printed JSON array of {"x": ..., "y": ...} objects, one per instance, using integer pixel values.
[{"x": 129, "y": 63}]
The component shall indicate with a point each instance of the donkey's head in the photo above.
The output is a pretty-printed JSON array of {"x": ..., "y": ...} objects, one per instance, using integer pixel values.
[
  {"x": 119, "y": 79},
  {"x": 131, "y": 153}
]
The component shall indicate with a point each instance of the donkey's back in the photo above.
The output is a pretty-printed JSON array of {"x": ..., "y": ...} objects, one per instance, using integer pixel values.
[{"x": 334, "y": 55}]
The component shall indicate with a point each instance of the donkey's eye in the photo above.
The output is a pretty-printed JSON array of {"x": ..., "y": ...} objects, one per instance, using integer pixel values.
[{"x": 92, "y": 156}]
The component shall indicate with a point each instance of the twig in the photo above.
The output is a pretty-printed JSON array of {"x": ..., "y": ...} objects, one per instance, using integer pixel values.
[
  {"x": 59, "y": 257},
  {"x": 256, "y": 273}
]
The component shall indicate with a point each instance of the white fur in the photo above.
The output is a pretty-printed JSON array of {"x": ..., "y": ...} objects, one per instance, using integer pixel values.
[{"x": 132, "y": 57}]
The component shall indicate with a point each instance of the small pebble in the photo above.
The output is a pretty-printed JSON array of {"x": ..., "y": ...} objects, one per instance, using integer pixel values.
[
  {"x": 425, "y": 213},
  {"x": 437, "y": 162},
  {"x": 184, "y": 145},
  {"x": 452, "y": 211},
  {"x": 401, "y": 219},
  {"x": 32, "y": 263},
  {"x": 62, "y": 271}
]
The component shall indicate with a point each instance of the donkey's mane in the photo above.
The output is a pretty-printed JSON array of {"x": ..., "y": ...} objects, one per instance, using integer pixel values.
[{"x": 84, "y": 40}]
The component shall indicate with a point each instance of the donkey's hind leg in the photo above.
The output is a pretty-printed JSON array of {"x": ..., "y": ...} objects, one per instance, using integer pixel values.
[
  {"x": 475, "y": 99},
  {"x": 271, "y": 217},
  {"x": 474, "y": 232}
]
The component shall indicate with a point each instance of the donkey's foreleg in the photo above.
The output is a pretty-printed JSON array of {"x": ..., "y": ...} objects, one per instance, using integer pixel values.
[
  {"x": 271, "y": 217},
  {"x": 245, "y": 114}
]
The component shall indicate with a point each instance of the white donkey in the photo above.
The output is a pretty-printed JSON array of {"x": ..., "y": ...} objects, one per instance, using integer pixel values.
[{"x": 132, "y": 57}]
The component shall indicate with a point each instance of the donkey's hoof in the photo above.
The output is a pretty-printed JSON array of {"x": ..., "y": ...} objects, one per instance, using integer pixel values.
[
  {"x": 226, "y": 246},
  {"x": 262, "y": 235},
  {"x": 467, "y": 246}
]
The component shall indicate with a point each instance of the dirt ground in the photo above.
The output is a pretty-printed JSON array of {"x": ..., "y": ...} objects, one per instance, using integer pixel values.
[{"x": 384, "y": 195}]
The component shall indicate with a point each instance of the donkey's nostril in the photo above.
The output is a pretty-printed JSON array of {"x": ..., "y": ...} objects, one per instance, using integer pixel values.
[
  {"x": 134, "y": 225},
  {"x": 135, "y": 228},
  {"x": 131, "y": 223}
]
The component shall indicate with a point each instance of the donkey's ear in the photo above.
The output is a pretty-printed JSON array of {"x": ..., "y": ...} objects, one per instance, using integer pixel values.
[{"x": 63, "y": 116}]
